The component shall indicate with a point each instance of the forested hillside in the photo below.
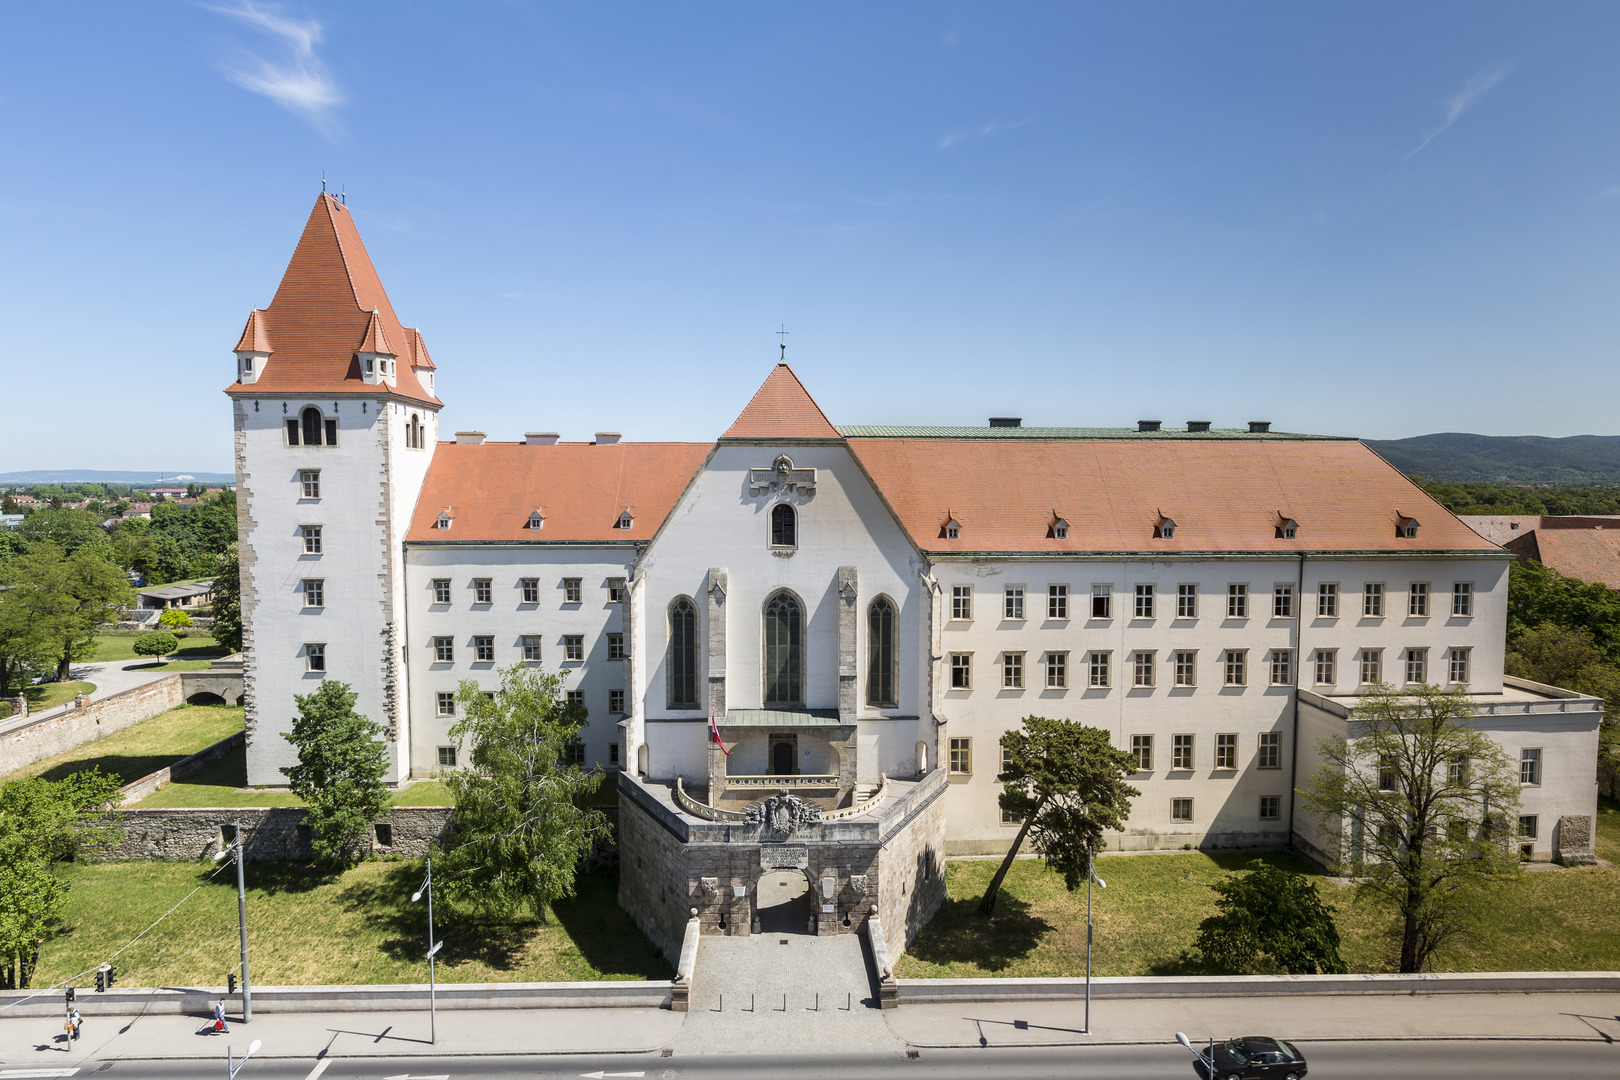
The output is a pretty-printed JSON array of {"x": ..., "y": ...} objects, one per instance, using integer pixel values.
[{"x": 1452, "y": 457}]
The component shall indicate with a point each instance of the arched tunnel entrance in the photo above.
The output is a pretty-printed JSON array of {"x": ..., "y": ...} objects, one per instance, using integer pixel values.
[{"x": 782, "y": 902}]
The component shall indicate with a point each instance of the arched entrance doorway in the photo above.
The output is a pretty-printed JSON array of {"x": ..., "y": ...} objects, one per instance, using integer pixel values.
[{"x": 782, "y": 902}]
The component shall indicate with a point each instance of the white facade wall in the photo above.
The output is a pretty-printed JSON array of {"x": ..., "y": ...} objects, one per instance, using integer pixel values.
[
  {"x": 508, "y": 619},
  {"x": 1226, "y": 802}
]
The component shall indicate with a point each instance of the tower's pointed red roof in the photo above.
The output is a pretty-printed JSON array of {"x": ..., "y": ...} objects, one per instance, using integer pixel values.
[
  {"x": 330, "y": 305},
  {"x": 255, "y": 338},
  {"x": 782, "y": 409},
  {"x": 376, "y": 339}
]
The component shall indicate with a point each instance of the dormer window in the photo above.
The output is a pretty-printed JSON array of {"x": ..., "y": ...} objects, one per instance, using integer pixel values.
[
  {"x": 1164, "y": 529},
  {"x": 1287, "y": 527},
  {"x": 535, "y": 522},
  {"x": 1058, "y": 530},
  {"x": 951, "y": 530},
  {"x": 1405, "y": 527},
  {"x": 443, "y": 520},
  {"x": 247, "y": 365},
  {"x": 625, "y": 521},
  {"x": 371, "y": 365}
]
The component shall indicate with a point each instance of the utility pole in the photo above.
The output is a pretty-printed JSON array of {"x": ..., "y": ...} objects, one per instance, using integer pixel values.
[
  {"x": 1091, "y": 875},
  {"x": 433, "y": 949},
  {"x": 241, "y": 919}
]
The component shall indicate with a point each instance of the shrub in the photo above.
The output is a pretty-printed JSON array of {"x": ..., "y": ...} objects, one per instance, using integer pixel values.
[
  {"x": 155, "y": 644},
  {"x": 173, "y": 619}
]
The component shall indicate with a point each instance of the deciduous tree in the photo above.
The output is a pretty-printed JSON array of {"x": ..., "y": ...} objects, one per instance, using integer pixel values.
[
  {"x": 228, "y": 601},
  {"x": 156, "y": 643},
  {"x": 1270, "y": 920},
  {"x": 341, "y": 764}
]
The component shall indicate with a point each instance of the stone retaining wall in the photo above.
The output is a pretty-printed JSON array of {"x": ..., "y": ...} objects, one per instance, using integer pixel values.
[
  {"x": 137, "y": 790},
  {"x": 63, "y": 731},
  {"x": 269, "y": 834}
]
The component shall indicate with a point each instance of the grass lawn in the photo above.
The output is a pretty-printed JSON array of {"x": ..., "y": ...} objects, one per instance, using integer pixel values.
[
  {"x": 42, "y": 696},
  {"x": 216, "y": 784},
  {"x": 1560, "y": 919},
  {"x": 194, "y": 646},
  {"x": 145, "y": 747},
  {"x": 307, "y": 927}
]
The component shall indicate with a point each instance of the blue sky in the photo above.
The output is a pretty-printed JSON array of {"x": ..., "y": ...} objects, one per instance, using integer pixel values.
[{"x": 1379, "y": 220}]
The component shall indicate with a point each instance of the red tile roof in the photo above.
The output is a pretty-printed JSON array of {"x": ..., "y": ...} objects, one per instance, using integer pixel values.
[
  {"x": 1590, "y": 555},
  {"x": 255, "y": 338},
  {"x": 580, "y": 489},
  {"x": 320, "y": 315},
  {"x": 782, "y": 409},
  {"x": 1223, "y": 495},
  {"x": 419, "y": 353},
  {"x": 376, "y": 339}
]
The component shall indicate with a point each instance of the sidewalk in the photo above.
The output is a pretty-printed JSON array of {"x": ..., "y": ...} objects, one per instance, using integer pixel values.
[
  {"x": 1362, "y": 1017},
  {"x": 108, "y": 676},
  {"x": 39, "y": 1042}
]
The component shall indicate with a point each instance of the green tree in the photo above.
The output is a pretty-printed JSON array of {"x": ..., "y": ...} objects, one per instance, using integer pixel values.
[
  {"x": 227, "y": 576},
  {"x": 1538, "y": 595},
  {"x": 341, "y": 764},
  {"x": 97, "y": 590},
  {"x": 156, "y": 643},
  {"x": 1568, "y": 656},
  {"x": 1066, "y": 781},
  {"x": 69, "y": 530},
  {"x": 1429, "y": 804},
  {"x": 43, "y": 823},
  {"x": 174, "y": 620},
  {"x": 37, "y": 614},
  {"x": 1270, "y": 920},
  {"x": 521, "y": 829}
]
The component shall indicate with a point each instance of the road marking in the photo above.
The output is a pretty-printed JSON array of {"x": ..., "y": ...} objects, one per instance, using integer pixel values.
[
  {"x": 27, "y": 1074},
  {"x": 408, "y": 1076},
  {"x": 320, "y": 1067},
  {"x": 599, "y": 1074}
]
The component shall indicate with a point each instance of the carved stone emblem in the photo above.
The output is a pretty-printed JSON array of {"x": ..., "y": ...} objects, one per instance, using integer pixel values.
[
  {"x": 857, "y": 885},
  {"x": 709, "y": 889},
  {"x": 782, "y": 476},
  {"x": 780, "y": 816}
]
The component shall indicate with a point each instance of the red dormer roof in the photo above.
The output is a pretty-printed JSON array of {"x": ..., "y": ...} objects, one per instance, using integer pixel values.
[
  {"x": 255, "y": 338},
  {"x": 782, "y": 409},
  {"x": 419, "y": 353},
  {"x": 376, "y": 339},
  {"x": 324, "y": 312}
]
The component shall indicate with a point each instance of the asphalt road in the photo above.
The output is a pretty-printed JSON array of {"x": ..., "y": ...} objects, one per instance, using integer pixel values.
[{"x": 1450, "y": 1060}]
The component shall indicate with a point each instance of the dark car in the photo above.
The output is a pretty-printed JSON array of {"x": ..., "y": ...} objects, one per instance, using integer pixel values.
[{"x": 1252, "y": 1057}]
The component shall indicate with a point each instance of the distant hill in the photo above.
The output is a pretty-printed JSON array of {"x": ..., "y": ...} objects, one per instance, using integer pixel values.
[
  {"x": 1456, "y": 458},
  {"x": 111, "y": 476}
]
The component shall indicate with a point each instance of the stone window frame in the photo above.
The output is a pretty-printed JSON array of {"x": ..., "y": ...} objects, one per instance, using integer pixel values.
[
  {"x": 1283, "y": 600},
  {"x": 483, "y": 590},
  {"x": 1237, "y": 600},
  {"x": 1458, "y": 662},
  {"x": 311, "y": 536},
  {"x": 309, "y": 484},
  {"x": 573, "y": 591},
  {"x": 1236, "y": 663},
  {"x": 615, "y": 588},
  {"x": 1057, "y": 669},
  {"x": 1372, "y": 666},
  {"x": 959, "y": 756},
  {"x": 616, "y": 702},
  {"x": 615, "y": 647},
  {"x": 784, "y": 526},
  {"x": 314, "y": 590},
  {"x": 531, "y": 589},
  {"x": 1417, "y": 600},
  {"x": 315, "y": 657},
  {"x": 1327, "y": 667},
  {"x": 1012, "y": 670},
  {"x": 307, "y": 430},
  {"x": 961, "y": 603},
  {"x": 961, "y": 671},
  {"x": 1268, "y": 750},
  {"x": 1530, "y": 761},
  {"x": 532, "y": 648},
  {"x": 1144, "y": 669},
  {"x": 1142, "y": 751},
  {"x": 1185, "y": 664},
  {"x": 1183, "y": 751},
  {"x": 1181, "y": 810},
  {"x": 441, "y": 591},
  {"x": 1057, "y": 601},
  {"x": 681, "y": 673},
  {"x": 796, "y": 654},
  {"x": 444, "y": 649},
  {"x": 1327, "y": 600},
  {"x": 1226, "y": 751},
  {"x": 1282, "y": 667},
  {"x": 882, "y": 653},
  {"x": 573, "y": 648},
  {"x": 1146, "y": 597},
  {"x": 1416, "y": 665},
  {"x": 1275, "y": 808},
  {"x": 1098, "y": 665},
  {"x": 1102, "y": 600},
  {"x": 1372, "y": 600},
  {"x": 1187, "y": 600},
  {"x": 1462, "y": 599},
  {"x": 483, "y": 648},
  {"x": 1012, "y": 603},
  {"x": 1529, "y": 831},
  {"x": 447, "y": 757}
]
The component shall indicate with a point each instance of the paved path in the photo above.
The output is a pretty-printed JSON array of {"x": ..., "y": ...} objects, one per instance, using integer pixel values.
[
  {"x": 782, "y": 992},
  {"x": 109, "y": 677}
]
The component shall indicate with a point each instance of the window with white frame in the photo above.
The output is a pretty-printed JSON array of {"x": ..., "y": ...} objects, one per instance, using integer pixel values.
[
  {"x": 1186, "y": 666},
  {"x": 536, "y": 521},
  {"x": 1142, "y": 751},
  {"x": 483, "y": 593},
  {"x": 1327, "y": 667},
  {"x": 1458, "y": 659},
  {"x": 1012, "y": 603},
  {"x": 1270, "y": 807},
  {"x": 576, "y": 697},
  {"x": 315, "y": 657},
  {"x": 961, "y": 602},
  {"x": 312, "y": 539},
  {"x": 1417, "y": 599},
  {"x": 314, "y": 592},
  {"x": 1372, "y": 666},
  {"x": 531, "y": 590},
  {"x": 1057, "y": 601},
  {"x": 571, "y": 590},
  {"x": 531, "y": 648},
  {"x": 1282, "y": 602},
  {"x": 961, "y": 671},
  {"x": 1142, "y": 668},
  {"x": 573, "y": 648},
  {"x": 1187, "y": 601},
  {"x": 446, "y": 700},
  {"x": 1144, "y": 600},
  {"x": 616, "y": 702},
  {"x": 1462, "y": 599},
  {"x": 1457, "y": 771},
  {"x": 1327, "y": 600},
  {"x": 961, "y": 759},
  {"x": 1012, "y": 671},
  {"x": 310, "y": 479},
  {"x": 1417, "y": 665},
  {"x": 1372, "y": 600},
  {"x": 1098, "y": 662},
  {"x": 1527, "y": 826},
  {"x": 1181, "y": 810},
  {"x": 447, "y": 757},
  {"x": 1236, "y": 661},
  {"x": 1102, "y": 601},
  {"x": 441, "y": 590},
  {"x": 1057, "y": 670},
  {"x": 444, "y": 650},
  {"x": 1181, "y": 752},
  {"x": 484, "y": 649},
  {"x": 1530, "y": 766},
  {"x": 1237, "y": 601},
  {"x": 615, "y": 643},
  {"x": 1268, "y": 750},
  {"x": 1282, "y": 667},
  {"x": 1226, "y": 750},
  {"x": 615, "y": 588}
]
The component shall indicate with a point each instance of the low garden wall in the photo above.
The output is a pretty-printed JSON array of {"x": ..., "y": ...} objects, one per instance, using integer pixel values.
[
  {"x": 269, "y": 834},
  {"x": 952, "y": 991},
  {"x": 137, "y": 790}
]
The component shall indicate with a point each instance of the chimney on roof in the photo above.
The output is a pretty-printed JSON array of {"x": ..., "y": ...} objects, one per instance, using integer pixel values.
[
  {"x": 470, "y": 438},
  {"x": 541, "y": 438},
  {"x": 1259, "y": 427},
  {"x": 607, "y": 438},
  {"x": 1198, "y": 425},
  {"x": 1147, "y": 425},
  {"x": 1007, "y": 421}
]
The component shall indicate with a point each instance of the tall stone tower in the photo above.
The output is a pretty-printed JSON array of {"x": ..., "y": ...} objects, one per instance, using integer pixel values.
[{"x": 336, "y": 422}]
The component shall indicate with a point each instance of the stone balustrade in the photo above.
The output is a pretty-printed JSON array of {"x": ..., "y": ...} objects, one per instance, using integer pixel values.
[
  {"x": 865, "y": 806},
  {"x": 796, "y": 782}
]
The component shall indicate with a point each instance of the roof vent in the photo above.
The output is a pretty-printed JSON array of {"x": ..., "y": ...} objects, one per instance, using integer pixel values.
[
  {"x": 541, "y": 438},
  {"x": 1259, "y": 427},
  {"x": 1198, "y": 425},
  {"x": 1148, "y": 425},
  {"x": 607, "y": 438},
  {"x": 470, "y": 438},
  {"x": 1007, "y": 421}
]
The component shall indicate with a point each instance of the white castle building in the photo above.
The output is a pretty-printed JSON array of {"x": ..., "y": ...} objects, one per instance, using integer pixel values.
[{"x": 850, "y": 604}]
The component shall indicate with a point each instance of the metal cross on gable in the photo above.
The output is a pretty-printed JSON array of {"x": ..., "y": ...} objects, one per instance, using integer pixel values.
[{"x": 783, "y": 333}]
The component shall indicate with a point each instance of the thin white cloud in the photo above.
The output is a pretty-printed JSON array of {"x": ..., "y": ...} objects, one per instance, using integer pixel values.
[
  {"x": 962, "y": 135},
  {"x": 1465, "y": 99},
  {"x": 296, "y": 79}
]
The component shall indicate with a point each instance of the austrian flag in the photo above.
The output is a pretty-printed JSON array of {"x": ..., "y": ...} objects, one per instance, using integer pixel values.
[{"x": 714, "y": 735}]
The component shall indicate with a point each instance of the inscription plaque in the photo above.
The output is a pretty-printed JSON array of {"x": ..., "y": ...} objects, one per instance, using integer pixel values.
[{"x": 784, "y": 857}]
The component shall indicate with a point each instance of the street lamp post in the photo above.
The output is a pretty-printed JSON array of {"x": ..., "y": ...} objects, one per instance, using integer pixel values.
[
  {"x": 232, "y": 1068},
  {"x": 241, "y": 919},
  {"x": 433, "y": 949},
  {"x": 1091, "y": 875}
]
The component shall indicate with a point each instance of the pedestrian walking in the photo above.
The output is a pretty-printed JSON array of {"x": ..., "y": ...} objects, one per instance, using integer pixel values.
[
  {"x": 219, "y": 1016},
  {"x": 74, "y": 1021}
]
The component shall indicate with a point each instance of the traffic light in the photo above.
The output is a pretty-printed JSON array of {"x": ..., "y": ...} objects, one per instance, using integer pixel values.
[
  {"x": 112, "y": 973},
  {"x": 101, "y": 981},
  {"x": 69, "y": 991},
  {"x": 230, "y": 983}
]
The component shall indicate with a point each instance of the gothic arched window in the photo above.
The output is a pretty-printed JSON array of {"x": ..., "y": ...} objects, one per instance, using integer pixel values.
[
  {"x": 683, "y": 655},
  {"x": 784, "y": 651},
  {"x": 784, "y": 526},
  {"x": 413, "y": 433},
  {"x": 880, "y": 654}
]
